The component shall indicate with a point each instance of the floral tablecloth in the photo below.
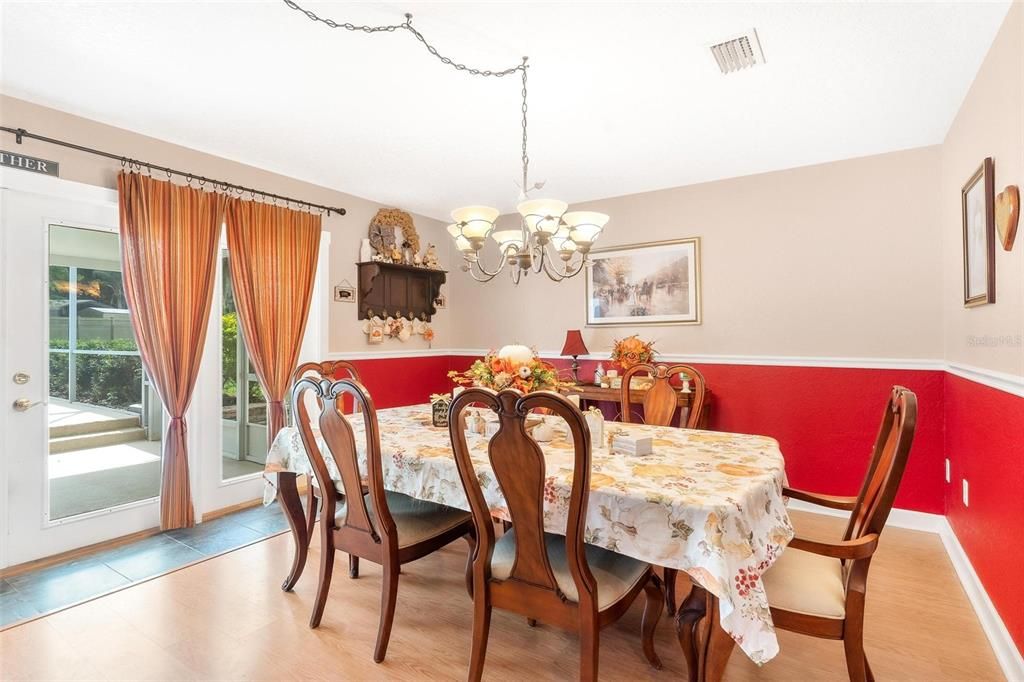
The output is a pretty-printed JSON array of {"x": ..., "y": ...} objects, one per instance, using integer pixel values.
[{"x": 704, "y": 502}]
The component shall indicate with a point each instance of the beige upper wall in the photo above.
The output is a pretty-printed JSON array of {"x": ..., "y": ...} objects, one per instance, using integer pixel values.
[
  {"x": 990, "y": 123},
  {"x": 346, "y": 231},
  {"x": 835, "y": 260}
]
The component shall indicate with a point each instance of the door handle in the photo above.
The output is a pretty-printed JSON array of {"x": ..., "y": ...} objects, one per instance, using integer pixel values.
[{"x": 24, "y": 404}]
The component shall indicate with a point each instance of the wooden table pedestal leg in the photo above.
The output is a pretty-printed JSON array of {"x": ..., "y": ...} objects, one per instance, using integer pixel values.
[
  {"x": 291, "y": 504},
  {"x": 706, "y": 646}
]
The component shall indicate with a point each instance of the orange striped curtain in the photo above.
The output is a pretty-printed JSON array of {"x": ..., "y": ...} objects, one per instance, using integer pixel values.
[
  {"x": 169, "y": 239},
  {"x": 273, "y": 255}
]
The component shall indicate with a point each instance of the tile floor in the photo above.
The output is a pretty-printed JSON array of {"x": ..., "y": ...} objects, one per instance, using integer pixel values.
[{"x": 31, "y": 594}]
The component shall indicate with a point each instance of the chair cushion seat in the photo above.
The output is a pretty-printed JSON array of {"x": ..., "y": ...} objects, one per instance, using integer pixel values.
[
  {"x": 807, "y": 583},
  {"x": 615, "y": 574},
  {"x": 416, "y": 520}
]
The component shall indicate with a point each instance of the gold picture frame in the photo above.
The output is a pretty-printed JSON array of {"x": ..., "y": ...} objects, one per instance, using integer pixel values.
[
  {"x": 977, "y": 213},
  {"x": 653, "y": 283}
]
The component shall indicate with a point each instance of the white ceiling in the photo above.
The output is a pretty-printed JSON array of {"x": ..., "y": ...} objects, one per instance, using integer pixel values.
[{"x": 624, "y": 97}]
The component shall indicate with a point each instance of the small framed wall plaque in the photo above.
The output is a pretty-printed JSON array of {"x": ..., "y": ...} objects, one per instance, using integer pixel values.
[{"x": 345, "y": 292}]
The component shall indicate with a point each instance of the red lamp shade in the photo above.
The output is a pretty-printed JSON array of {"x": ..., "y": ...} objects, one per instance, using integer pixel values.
[{"x": 574, "y": 343}]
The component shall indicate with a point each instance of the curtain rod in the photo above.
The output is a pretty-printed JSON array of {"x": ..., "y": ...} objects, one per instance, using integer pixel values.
[{"x": 130, "y": 163}]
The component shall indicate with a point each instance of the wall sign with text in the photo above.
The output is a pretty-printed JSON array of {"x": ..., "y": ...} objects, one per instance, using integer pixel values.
[{"x": 29, "y": 163}]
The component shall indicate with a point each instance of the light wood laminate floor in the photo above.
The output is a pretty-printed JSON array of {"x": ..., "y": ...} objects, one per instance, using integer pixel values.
[{"x": 227, "y": 618}]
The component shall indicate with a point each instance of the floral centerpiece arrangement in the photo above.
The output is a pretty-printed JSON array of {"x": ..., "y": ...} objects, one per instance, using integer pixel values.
[
  {"x": 632, "y": 351},
  {"x": 514, "y": 366}
]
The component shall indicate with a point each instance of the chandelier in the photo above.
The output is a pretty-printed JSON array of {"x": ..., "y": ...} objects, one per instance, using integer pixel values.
[
  {"x": 549, "y": 239},
  {"x": 546, "y": 234}
]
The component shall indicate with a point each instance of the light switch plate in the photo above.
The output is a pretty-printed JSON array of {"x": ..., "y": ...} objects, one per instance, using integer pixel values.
[
  {"x": 948, "y": 479},
  {"x": 965, "y": 493}
]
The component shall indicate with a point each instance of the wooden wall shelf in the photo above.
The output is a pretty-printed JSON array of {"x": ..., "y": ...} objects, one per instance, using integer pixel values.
[{"x": 398, "y": 290}]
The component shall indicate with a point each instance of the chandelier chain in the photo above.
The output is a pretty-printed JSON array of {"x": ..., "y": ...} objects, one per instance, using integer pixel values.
[
  {"x": 526, "y": 157},
  {"x": 458, "y": 66},
  {"x": 406, "y": 26}
]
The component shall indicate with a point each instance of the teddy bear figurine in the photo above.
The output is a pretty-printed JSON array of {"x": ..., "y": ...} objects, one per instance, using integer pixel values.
[{"x": 430, "y": 258}]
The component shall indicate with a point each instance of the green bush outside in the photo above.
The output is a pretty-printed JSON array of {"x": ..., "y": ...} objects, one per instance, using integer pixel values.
[
  {"x": 116, "y": 380},
  {"x": 229, "y": 363},
  {"x": 109, "y": 380}
]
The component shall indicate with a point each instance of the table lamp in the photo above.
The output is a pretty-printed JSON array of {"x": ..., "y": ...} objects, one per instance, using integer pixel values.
[{"x": 574, "y": 347}]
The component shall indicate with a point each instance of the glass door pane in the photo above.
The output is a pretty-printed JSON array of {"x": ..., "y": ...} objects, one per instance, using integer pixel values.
[
  {"x": 244, "y": 425},
  {"x": 105, "y": 422}
]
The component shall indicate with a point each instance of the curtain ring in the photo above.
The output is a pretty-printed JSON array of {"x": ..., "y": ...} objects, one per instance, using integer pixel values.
[
  {"x": 123, "y": 162},
  {"x": 168, "y": 173}
]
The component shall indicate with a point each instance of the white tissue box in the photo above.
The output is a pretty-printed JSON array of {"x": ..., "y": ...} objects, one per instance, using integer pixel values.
[{"x": 631, "y": 445}]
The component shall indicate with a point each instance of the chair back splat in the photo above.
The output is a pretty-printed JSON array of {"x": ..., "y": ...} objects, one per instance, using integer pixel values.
[
  {"x": 340, "y": 440},
  {"x": 885, "y": 470},
  {"x": 660, "y": 400}
]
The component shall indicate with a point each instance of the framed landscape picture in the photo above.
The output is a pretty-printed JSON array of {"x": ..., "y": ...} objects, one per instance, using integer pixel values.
[
  {"x": 978, "y": 213},
  {"x": 655, "y": 283}
]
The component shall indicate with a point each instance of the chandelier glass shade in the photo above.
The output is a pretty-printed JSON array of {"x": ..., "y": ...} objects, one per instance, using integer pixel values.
[{"x": 548, "y": 239}]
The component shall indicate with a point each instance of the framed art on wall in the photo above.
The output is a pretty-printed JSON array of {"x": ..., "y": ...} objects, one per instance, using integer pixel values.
[
  {"x": 654, "y": 283},
  {"x": 977, "y": 205}
]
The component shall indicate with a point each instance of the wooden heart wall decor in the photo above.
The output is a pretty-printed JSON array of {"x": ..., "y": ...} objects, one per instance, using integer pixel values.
[{"x": 1007, "y": 215}]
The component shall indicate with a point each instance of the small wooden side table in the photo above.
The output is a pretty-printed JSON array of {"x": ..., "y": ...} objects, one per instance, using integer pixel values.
[{"x": 598, "y": 394}]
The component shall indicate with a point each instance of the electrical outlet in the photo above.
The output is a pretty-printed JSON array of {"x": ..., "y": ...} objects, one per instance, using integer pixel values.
[
  {"x": 947, "y": 470},
  {"x": 966, "y": 504}
]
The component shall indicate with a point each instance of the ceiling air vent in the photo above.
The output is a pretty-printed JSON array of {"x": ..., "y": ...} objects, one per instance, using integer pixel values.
[{"x": 738, "y": 53}]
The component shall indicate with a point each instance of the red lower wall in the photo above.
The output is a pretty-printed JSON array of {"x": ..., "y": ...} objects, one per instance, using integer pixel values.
[
  {"x": 824, "y": 418},
  {"x": 985, "y": 444},
  {"x": 394, "y": 382}
]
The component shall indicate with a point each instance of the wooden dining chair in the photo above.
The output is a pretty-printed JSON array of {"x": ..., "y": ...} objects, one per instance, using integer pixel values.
[
  {"x": 661, "y": 399},
  {"x": 818, "y": 588},
  {"x": 659, "y": 403},
  {"x": 384, "y": 527},
  {"x": 543, "y": 576},
  {"x": 330, "y": 369}
]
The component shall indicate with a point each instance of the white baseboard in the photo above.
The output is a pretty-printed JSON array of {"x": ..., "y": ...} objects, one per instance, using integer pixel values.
[
  {"x": 1009, "y": 657},
  {"x": 898, "y": 518}
]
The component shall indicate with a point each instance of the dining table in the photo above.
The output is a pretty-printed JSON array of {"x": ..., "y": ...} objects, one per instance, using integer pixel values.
[{"x": 704, "y": 502}]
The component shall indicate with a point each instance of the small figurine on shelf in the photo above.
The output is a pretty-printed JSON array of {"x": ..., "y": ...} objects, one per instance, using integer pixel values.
[
  {"x": 417, "y": 260},
  {"x": 406, "y": 253},
  {"x": 430, "y": 258},
  {"x": 396, "y": 254}
]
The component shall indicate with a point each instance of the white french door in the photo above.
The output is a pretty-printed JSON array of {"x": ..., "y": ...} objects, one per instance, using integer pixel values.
[
  {"x": 67, "y": 477},
  {"x": 58, "y": 239}
]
